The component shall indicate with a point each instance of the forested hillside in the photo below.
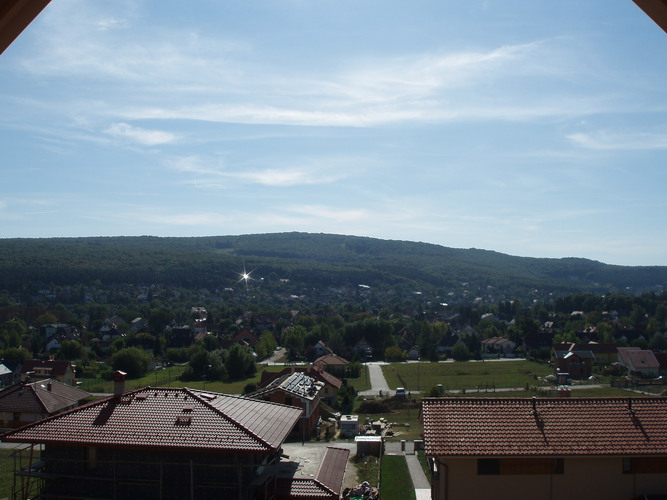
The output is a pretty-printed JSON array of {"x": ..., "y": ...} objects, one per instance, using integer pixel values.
[{"x": 312, "y": 260}]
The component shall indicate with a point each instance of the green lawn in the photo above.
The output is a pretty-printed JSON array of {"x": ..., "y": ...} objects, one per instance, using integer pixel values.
[
  {"x": 465, "y": 375},
  {"x": 363, "y": 383},
  {"x": 395, "y": 482},
  {"x": 7, "y": 469},
  {"x": 169, "y": 377},
  {"x": 6, "y": 473}
]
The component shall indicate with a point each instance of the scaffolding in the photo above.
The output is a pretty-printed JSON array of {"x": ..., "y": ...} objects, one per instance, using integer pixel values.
[{"x": 110, "y": 480}]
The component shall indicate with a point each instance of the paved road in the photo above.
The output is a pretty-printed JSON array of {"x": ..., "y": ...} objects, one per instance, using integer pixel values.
[{"x": 378, "y": 382}]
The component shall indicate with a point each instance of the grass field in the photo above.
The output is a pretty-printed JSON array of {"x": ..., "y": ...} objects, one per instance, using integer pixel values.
[
  {"x": 6, "y": 473},
  {"x": 169, "y": 377},
  {"x": 395, "y": 482},
  {"x": 7, "y": 470},
  {"x": 465, "y": 375}
]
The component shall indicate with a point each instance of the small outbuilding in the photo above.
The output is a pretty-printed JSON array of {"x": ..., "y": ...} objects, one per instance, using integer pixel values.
[{"x": 349, "y": 426}]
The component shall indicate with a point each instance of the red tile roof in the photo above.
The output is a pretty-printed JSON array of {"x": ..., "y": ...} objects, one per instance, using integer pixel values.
[
  {"x": 36, "y": 397},
  {"x": 331, "y": 359},
  {"x": 168, "y": 419},
  {"x": 332, "y": 468},
  {"x": 305, "y": 489},
  {"x": 328, "y": 482},
  {"x": 638, "y": 358},
  {"x": 539, "y": 427}
]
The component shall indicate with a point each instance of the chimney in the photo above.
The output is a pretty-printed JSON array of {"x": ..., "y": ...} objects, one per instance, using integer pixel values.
[
  {"x": 119, "y": 383},
  {"x": 49, "y": 386}
]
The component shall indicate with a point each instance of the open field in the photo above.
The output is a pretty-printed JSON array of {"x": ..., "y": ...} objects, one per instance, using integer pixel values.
[
  {"x": 456, "y": 376},
  {"x": 169, "y": 377}
]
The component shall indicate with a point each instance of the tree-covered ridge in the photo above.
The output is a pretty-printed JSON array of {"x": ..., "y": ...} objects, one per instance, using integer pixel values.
[{"x": 315, "y": 260}]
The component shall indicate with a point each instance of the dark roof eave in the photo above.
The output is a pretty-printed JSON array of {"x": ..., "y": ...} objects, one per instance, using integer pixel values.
[{"x": 243, "y": 451}]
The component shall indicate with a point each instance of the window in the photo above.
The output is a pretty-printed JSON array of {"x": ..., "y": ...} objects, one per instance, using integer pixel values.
[{"x": 515, "y": 466}]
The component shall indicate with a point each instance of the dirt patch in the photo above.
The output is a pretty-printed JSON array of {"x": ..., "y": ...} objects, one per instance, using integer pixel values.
[{"x": 388, "y": 405}]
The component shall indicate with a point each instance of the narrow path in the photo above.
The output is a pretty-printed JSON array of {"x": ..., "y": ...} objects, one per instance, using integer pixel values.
[{"x": 378, "y": 382}]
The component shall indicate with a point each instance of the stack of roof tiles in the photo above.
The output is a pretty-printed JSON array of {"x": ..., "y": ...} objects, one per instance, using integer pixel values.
[{"x": 540, "y": 427}]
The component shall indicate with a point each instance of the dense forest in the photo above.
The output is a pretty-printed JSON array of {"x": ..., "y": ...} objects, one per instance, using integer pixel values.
[{"x": 307, "y": 261}]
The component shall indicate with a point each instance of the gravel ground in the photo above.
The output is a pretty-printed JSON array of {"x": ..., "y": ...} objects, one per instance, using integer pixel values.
[{"x": 309, "y": 455}]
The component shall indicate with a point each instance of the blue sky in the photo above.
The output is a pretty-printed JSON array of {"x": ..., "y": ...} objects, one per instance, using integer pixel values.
[{"x": 530, "y": 127}]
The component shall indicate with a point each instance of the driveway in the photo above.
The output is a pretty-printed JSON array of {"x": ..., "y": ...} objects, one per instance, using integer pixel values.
[{"x": 378, "y": 382}]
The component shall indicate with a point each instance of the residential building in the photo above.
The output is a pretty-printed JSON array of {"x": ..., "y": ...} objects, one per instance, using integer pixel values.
[
  {"x": 49, "y": 330},
  {"x": 604, "y": 353},
  {"x": 318, "y": 350},
  {"x": 38, "y": 369},
  {"x": 363, "y": 349},
  {"x": 579, "y": 364},
  {"x": 10, "y": 372},
  {"x": 299, "y": 390},
  {"x": 498, "y": 345},
  {"x": 332, "y": 363},
  {"x": 597, "y": 448},
  {"x": 332, "y": 384},
  {"x": 22, "y": 404},
  {"x": 639, "y": 362},
  {"x": 156, "y": 443}
]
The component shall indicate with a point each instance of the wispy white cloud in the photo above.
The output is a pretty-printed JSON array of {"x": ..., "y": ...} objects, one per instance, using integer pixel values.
[
  {"x": 610, "y": 140},
  {"x": 216, "y": 173},
  {"x": 224, "y": 79},
  {"x": 140, "y": 135}
]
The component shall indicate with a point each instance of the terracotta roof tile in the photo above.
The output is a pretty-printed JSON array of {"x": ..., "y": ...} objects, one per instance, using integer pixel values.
[
  {"x": 36, "y": 397},
  {"x": 332, "y": 468},
  {"x": 531, "y": 427},
  {"x": 301, "y": 488},
  {"x": 168, "y": 418}
]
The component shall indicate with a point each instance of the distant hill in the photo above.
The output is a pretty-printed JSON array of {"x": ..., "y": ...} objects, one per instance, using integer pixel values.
[{"x": 309, "y": 260}]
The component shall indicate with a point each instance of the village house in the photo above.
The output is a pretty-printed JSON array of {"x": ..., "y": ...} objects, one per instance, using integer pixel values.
[
  {"x": 579, "y": 364},
  {"x": 638, "y": 362},
  {"x": 37, "y": 369},
  {"x": 21, "y": 404},
  {"x": 320, "y": 349},
  {"x": 246, "y": 336},
  {"x": 601, "y": 448},
  {"x": 332, "y": 363},
  {"x": 10, "y": 372},
  {"x": 49, "y": 330},
  {"x": 363, "y": 349},
  {"x": 156, "y": 443},
  {"x": 604, "y": 353},
  {"x": 498, "y": 345},
  {"x": 332, "y": 384},
  {"x": 299, "y": 390}
]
